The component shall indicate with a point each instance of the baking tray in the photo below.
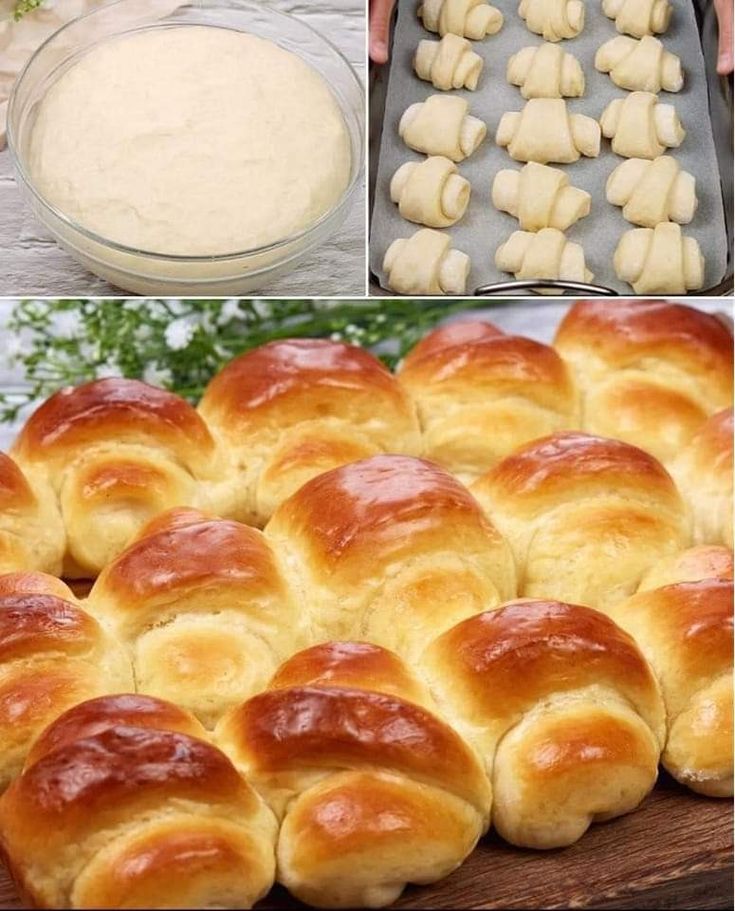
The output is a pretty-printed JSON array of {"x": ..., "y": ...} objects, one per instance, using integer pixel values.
[{"x": 693, "y": 35}]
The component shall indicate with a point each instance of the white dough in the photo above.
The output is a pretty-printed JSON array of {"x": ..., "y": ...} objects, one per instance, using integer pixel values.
[{"x": 191, "y": 140}]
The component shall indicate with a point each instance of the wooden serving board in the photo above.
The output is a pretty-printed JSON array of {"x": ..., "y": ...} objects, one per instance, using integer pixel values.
[{"x": 675, "y": 852}]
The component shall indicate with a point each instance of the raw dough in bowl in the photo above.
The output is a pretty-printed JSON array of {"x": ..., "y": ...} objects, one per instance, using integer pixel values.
[{"x": 190, "y": 141}]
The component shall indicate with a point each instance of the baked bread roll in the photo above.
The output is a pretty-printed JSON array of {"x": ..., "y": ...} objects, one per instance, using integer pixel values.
[
  {"x": 52, "y": 656},
  {"x": 481, "y": 396},
  {"x": 546, "y": 71},
  {"x": 140, "y": 818},
  {"x": 392, "y": 550},
  {"x": 540, "y": 197},
  {"x": 32, "y": 534},
  {"x": 585, "y": 516},
  {"x": 545, "y": 131},
  {"x": 448, "y": 64},
  {"x": 650, "y": 372},
  {"x": 426, "y": 263},
  {"x": 373, "y": 790},
  {"x": 116, "y": 452},
  {"x": 659, "y": 260},
  {"x": 639, "y": 17},
  {"x": 431, "y": 192},
  {"x": 466, "y": 18},
  {"x": 546, "y": 254},
  {"x": 652, "y": 192},
  {"x": 554, "y": 19},
  {"x": 685, "y": 631},
  {"x": 442, "y": 125},
  {"x": 704, "y": 472},
  {"x": 640, "y": 66},
  {"x": 706, "y": 561},
  {"x": 564, "y": 710},
  {"x": 204, "y": 609},
  {"x": 640, "y": 126},
  {"x": 292, "y": 409}
]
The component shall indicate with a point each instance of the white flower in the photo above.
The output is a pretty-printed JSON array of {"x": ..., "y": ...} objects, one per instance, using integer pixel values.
[
  {"x": 67, "y": 324},
  {"x": 179, "y": 334},
  {"x": 157, "y": 376},
  {"x": 105, "y": 371},
  {"x": 229, "y": 310},
  {"x": 262, "y": 308},
  {"x": 14, "y": 348}
]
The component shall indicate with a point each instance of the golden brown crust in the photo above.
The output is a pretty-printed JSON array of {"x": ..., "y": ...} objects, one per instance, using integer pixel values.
[
  {"x": 708, "y": 561},
  {"x": 456, "y": 333},
  {"x": 34, "y": 583},
  {"x": 33, "y": 624},
  {"x": 15, "y": 492}
]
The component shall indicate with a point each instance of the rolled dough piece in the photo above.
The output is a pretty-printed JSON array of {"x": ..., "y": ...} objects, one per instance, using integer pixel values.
[
  {"x": 431, "y": 192},
  {"x": 547, "y": 254},
  {"x": 546, "y": 71},
  {"x": 659, "y": 260},
  {"x": 639, "y": 17},
  {"x": 640, "y": 126},
  {"x": 652, "y": 192},
  {"x": 442, "y": 125},
  {"x": 554, "y": 19},
  {"x": 448, "y": 64},
  {"x": 466, "y": 18},
  {"x": 545, "y": 131},
  {"x": 425, "y": 263},
  {"x": 539, "y": 197},
  {"x": 640, "y": 65}
]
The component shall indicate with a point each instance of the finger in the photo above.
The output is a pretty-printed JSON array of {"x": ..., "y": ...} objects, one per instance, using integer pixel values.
[
  {"x": 725, "y": 50},
  {"x": 380, "y": 11}
]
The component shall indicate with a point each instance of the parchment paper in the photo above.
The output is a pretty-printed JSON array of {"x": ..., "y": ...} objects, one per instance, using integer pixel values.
[{"x": 483, "y": 228}]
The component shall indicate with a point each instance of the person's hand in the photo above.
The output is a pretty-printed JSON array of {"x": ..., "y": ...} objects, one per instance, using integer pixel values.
[
  {"x": 723, "y": 8},
  {"x": 380, "y": 11}
]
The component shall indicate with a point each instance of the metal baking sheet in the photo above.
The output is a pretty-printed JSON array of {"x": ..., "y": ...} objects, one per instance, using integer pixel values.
[{"x": 483, "y": 228}]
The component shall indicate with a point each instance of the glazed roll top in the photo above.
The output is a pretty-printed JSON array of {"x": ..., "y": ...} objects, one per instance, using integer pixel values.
[
  {"x": 31, "y": 530},
  {"x": 563, "y": 708},
  {"x": 292, "y": 409},
  {"x": 391, "y": 549},
  {"x": 650, "y": 372},
  {"x": 136, "y": 817},
  {"x": 686, "y": 631},
  {"x": 707, "y": 561},
  {"x": 586, "y": 516},
  {"x": 704, "y": 473},
  {"x": 116, "y": 452},
  {"x": 481, "y": 394},
  {"x": 374, "y": 790},
  {"x": 204, "y": 609}
]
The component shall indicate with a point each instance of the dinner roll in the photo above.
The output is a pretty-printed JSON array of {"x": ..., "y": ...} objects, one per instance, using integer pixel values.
[
  {"x": 116, "y": 452},
  {"x": 133, "y": 817},
  {"x": 390, "y": 549},
  {"x": 708, "y": 561},
  {"x": 292, "y": 409},
  {"x": 373, "y": 789},
  {"x": 564, "y": 710},
  {"x": 650, "y": 372},
  {"x": 204, "y": 609},
  {"x": 704, "y": 472},
  {"x": 481, "y": 394},
  {"x": 685, "y": 631},
  {"x": 586, "y": 516}
]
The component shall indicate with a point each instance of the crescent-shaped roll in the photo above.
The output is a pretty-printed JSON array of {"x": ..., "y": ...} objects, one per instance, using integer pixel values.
[
  {"x": 546, "y": 71},
  {"x": 586, "y": 516},
  {"x": 448, "y": 64},
  {"x": 652, "y": 192},
  {"x": 650, "y": 372},
  {"x": 293, "y": 408},
  {"x": 426, "y": 263},
  {"x": 547, "y": 254},
  {"x": 375, "y": 543},
  {"x": 659, "y": 260},
  {"x": 553, "y": 19},
  {"x": 639, "y": 17},
  {"x": 467, "y": 18},
  {"x": 705, "y": 561},
  {"x": 373, "y": 789},
  {"x": 564, "y": 710},
  {"x": 431, "y": 192},
  {"x": 640, "y": 65},
  {"x": 481, "y": 394},
  {"x": 686, "y": 632},
  {"x": 545, "y": 131},
  {"x": 442, "y": 125},
  {"x": 539, "y": 197},
  {"x": 640, "y": 126}
]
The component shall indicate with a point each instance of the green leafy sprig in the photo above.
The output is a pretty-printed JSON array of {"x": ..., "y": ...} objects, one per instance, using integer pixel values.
[
  {"x": 25, "y": 6},
  {"x": 181, "y": 344}
]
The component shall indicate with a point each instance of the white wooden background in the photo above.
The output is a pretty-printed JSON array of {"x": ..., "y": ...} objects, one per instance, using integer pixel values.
[{"x": 32, "y": 265}]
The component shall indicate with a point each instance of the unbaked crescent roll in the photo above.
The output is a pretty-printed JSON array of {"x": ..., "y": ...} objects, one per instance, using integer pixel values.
[
  {"x": 639, "y": 17},
  {"x": 659, "y": 260},
  {"x": 431, "y": 192},
  {"x": 539, "y": 197},
  {"x": 641, "y": 127},
  {"x": 466, "y": 18},
  {"x": 425, "y": 263},
  {"x": 547, "y": 254},
  {"x": 554, "y": 19},
  {"x": 442, "y": 125},
  {"x": 652, "y": 192},
  {"x": 546, "y": 71},
  {"x": 641, "y": 66},
  {"x": 545, "y": 131},
  {"x": 448, "y": 64}
]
